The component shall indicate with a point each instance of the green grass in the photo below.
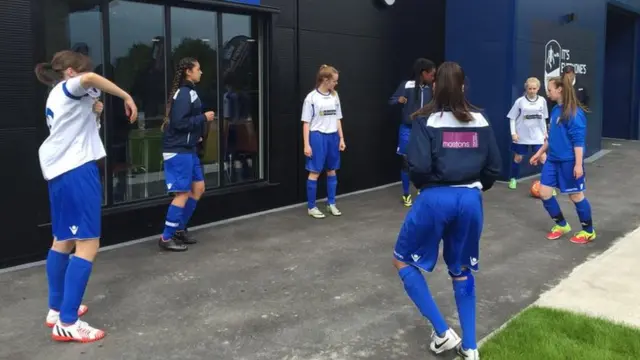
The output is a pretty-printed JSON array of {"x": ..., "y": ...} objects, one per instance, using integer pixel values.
[{"x": 548, "y": 334}]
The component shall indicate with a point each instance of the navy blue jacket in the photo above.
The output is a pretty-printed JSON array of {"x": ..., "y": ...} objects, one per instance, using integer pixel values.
[
  {"x": 413, "y": 104},
  {"x": 443, "y": 151},
  {"x": 186, "y": 121},
  {"x": 565, "y": 135}
]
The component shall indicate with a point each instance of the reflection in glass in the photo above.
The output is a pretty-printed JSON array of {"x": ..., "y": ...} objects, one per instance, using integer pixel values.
[
  {"x": 76, "y": 25},
  {"x": 137, "y": 48},
  {"x": 241, "y": 99},
  {"x": 193, "y": 34}
]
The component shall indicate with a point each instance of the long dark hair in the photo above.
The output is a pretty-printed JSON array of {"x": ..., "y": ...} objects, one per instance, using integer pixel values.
[
  {"x": 570, "y": 102},
  {"x": 419, "y": 66},
  {"x": 449, "y": 94},
  {"x": 181, "y": 72},
  {"x": 52, "y": 72}
]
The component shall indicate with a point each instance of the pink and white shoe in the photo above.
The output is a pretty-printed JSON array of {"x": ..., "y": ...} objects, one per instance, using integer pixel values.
[
  {"x": 78, "y": 332},
  {"x": 53, "y": 316}
]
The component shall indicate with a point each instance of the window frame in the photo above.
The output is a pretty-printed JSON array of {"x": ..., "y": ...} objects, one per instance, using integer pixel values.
[{"x": 260, "y": 19}]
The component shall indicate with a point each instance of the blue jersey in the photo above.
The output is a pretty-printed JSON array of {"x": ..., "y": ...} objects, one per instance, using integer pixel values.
[
  {"x": 414, "y": 103},
  {"x": 565, "y": 135}
]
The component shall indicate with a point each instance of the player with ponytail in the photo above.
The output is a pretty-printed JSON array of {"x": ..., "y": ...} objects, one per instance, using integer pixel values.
[
  {"x": 68, "y": 159},
  {"x": 564, "y": 167},
  {"x": 183, "y": 128},
  {"x": 323, "y": 138}
]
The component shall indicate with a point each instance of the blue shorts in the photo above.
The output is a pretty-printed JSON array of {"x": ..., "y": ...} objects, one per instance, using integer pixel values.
[
  {"x": 325, "y": 152},
  {"x": 453, "y": 214},
  {"x": 523, "y": 149},
  {"x": 403, "y": 139},
  {"x": 76, "y": 203},
  {"x": 181, "y": 170},
  {"x": 559, "y": 174}
]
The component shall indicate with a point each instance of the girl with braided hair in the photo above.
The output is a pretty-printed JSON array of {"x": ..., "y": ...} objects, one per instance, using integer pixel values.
[{"x": 183, "y": 128}]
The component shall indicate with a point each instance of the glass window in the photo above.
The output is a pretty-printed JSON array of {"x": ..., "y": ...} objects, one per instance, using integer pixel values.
[
  {"x": 241, "y": 84},
  {"x": 76, "y": 25},
  {"x": 137, "y": 49},
  {"x": 194, "y": 34}
]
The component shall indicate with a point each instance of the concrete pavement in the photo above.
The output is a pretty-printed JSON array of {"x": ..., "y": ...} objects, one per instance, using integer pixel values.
[
  {"x": 283, "y": 286},
  {"x": 605, "y": 286}
]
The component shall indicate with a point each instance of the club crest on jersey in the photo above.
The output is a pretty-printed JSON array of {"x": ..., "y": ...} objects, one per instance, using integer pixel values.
[
  {"x": 93, "y": 92},
  {"x": 553, "y": 61}
]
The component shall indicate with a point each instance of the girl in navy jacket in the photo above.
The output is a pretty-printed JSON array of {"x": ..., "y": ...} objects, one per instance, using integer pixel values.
[
  {"x": 412, "y": 95},
  {"x": 453, "y": 156},
  {"x": 183, "y": 128}
]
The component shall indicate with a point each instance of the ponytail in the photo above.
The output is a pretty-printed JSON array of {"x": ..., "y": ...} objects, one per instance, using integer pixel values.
[
  {"x": 47, "y": 75},
  {"x": 325, "y": 72},
  {"x": 570, "y": 102},
  {"x": 184, "y": 65}
]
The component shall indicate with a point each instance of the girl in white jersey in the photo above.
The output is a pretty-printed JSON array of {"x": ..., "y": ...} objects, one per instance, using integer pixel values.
[
  {"x": 323, "y": 138},
  {"x": 528, "y": 124},
  {"x": 68, "y": 161}
]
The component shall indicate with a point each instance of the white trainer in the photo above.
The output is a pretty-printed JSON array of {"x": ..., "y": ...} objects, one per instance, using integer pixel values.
[
  {"x": 445, "y": 343},
  {"x": 53, "y": 316},
  {"x": 316, "y": 213},
  {"x": 469, "y": 354},
  {"x": 333, "y": 209},
  {"x": 78, "y": 332}
]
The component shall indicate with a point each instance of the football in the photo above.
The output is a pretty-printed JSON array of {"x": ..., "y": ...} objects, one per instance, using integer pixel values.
[{"x": 535, "y": 189}]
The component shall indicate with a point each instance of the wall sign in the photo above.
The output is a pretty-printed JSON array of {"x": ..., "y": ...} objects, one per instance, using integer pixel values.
[
  {"x": 557, "y": 58},
  {"x": 555, "y": 46}
]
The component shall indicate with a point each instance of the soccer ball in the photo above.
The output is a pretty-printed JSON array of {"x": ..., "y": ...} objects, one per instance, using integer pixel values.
[{"x": 535, "y": 189}]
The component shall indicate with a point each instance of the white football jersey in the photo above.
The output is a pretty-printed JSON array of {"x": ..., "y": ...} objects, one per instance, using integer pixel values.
[
  {"x": 530, "y": 120},
  {"x": 74, "y": 138},
  {"x": 322, "y": 112}
]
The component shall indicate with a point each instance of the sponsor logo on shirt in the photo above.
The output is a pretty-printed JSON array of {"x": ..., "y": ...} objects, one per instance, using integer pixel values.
[
  {"x": 459, "y": 140},
  {"x": 327, "y": 112}
]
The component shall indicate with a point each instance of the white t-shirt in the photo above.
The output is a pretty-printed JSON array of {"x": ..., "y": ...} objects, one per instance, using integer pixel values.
[
  {"x": 74, "y": 138},
  {"x": 528, "y": 120},
  {"x": 322, "y": 112}
]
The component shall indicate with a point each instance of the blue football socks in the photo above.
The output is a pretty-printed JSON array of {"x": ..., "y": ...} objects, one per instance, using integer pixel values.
[
  {"x": 553, "y": 208},
  {"x": 189, "y": 208},
  {"x": 75, "y": 284},
  {"x": 172, "y": 222},
  {"x": 584, "y": 214},
  {"x": 312, "y": 189},
  {"x": 465, "y": 295},
  {"x": 332, "y": 188},
  {"x": 56, "y": 269},
  {"x": 404, "y": 175},
  {"x": 417, "y": 289},
  {"x": 515, "y": 170}
]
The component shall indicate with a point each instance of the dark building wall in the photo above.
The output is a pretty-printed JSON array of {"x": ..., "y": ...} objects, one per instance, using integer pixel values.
[
  {"x": 21, "y": 177},
  {"x": 373, "y": 48}
]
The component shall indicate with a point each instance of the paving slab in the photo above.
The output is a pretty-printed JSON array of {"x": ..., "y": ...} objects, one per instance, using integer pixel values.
[{"x": 605, "y": 286}]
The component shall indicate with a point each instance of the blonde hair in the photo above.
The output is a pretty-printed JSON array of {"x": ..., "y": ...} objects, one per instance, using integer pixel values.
[
  {"x": 325, "y": 72},
  {"x": 532, "y": 81}
]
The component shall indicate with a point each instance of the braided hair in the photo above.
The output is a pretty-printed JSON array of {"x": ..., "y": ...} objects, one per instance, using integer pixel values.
[
  {"x": 419, "y": 66},
  {"x": 183, "y": 65}
]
